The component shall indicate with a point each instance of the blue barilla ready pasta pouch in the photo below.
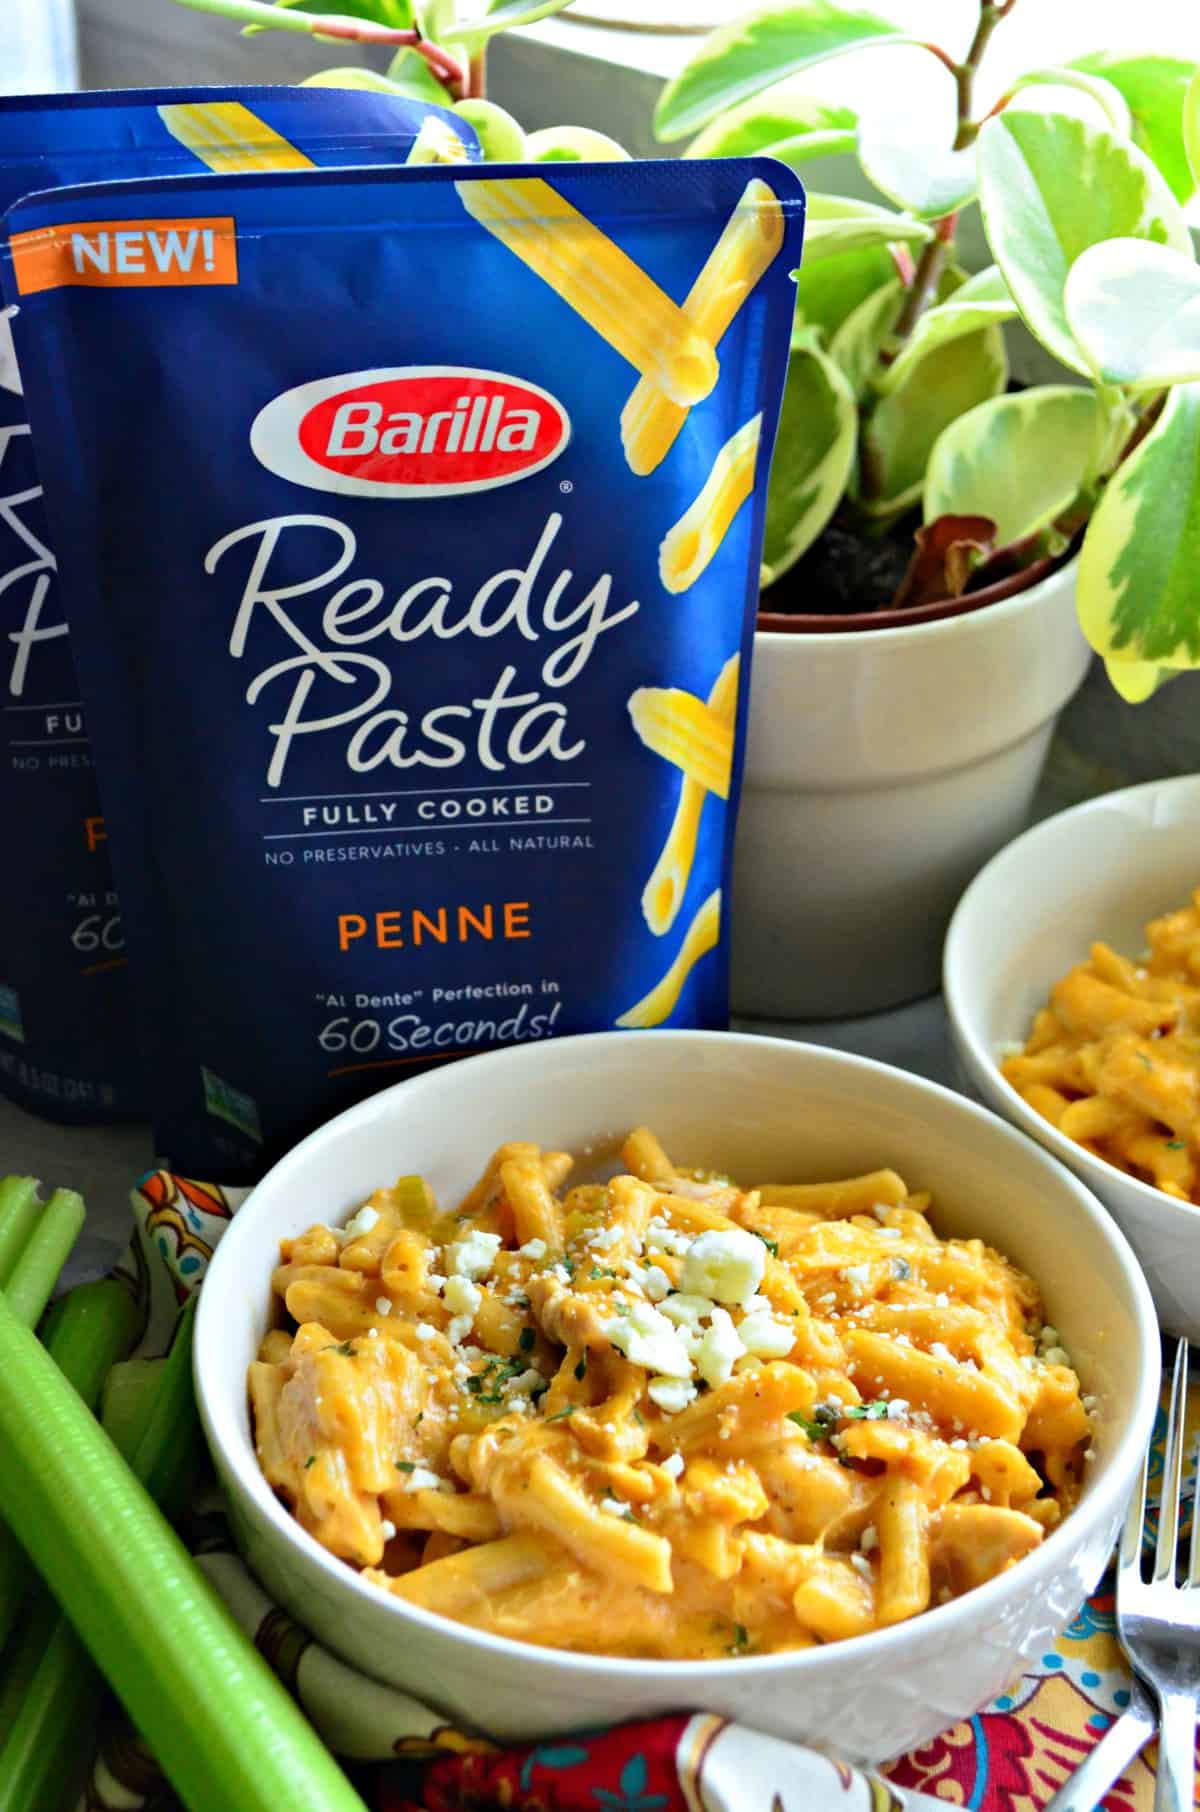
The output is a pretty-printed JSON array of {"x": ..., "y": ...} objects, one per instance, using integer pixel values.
[
  {"x": 67, "y": 1029},
  {"x": 412, "y": 523}
]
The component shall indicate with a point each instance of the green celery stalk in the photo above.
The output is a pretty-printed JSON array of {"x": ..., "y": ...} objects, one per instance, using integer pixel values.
[
  {"x": 125, "y": 1401},
  {"x": 22, "y": 1657},
  {"x": 87, "y": 1330},
  {"x": 46, "y": 1750},
  {"x": 19, "y": 1210},
  {"x": 169, "y": 1437},
  {"x": 46, "y": 1252},
  {"x": 223, "y": 1728}
]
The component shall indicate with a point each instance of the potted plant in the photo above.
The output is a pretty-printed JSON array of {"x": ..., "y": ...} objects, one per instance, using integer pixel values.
[
  {"x": 930, "y": 532},
  {"x": 438, "y": 53}
]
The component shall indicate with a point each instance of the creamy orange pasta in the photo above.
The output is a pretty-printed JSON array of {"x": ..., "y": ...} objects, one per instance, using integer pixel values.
[
  {"x": 664, "y": 1416},
  {"x": 1114, "y": 1059}
]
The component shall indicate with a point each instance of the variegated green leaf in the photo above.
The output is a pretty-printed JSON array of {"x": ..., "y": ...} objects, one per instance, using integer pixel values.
[
  {"x": 435, "y": 17},
  {"x": 501, "y": 139},
  {"x": 987, "y": 285},
  {"x": 908, "y": 154},
  {"x": 1136, "y": 681},
  {"x": 1153, "y": 88},
  {"x": 1019, "y": 459},
  {"x": 777, "y": 117},
  {"x": 969, "y": 309},
  {"x": 1101, "y": 102},
  {"x": 834, "y": 224},
  {"x": 1134, "y": 308},
  {"x": 396, "y": 15},
  {"x": 1050, "y": 187},
  {"x": 1138, "y": 597},
  {"x": 1191, "y": 127},
  {"x": 814, "y": 455},
  {"x": 763, "y": 47},
  {"x": 354, "y": 76},
  {"x": 411, "y": 75},
  {"x": 501, "y": 15},
  {"x": 905, "y": 425},
  {"x": 264, "y": 15},
  {"x": 858, "y": 342},
  {"x": 830, "y": 289},
  {"x": 572, "y": 145}
]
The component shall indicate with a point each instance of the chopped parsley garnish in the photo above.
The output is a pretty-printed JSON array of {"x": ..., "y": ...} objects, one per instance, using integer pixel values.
[
  {"x": 346, "y": 1347},
  {"x": 1142, "y": 1058},
  {"x": 581, "y": 1368},
  {"x": 559, "y": 1414},
  {"x": 599, "y": 1271},
  {"x": 741, "y": 1638},
  {"x": 772, "y": 1246},
  {"x": 474, "y": 1384},
  {"x": 825, "y": 1416},
  {"x": 419, "y": 1419},
  {"x": 526, "y": 1339},
  {"x": 568, "y": 1264},
  {"x": 1176, "y": 1144},
  {"x": 310, "y": 1461},
  {"x": 406, "y": 1465}
]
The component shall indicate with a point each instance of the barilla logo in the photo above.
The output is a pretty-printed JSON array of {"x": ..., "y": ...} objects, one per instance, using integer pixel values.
[{"x": 410, "y": 431}]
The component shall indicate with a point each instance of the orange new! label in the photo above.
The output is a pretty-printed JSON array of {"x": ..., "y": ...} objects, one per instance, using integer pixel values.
[{"x": 136, "y": 254}]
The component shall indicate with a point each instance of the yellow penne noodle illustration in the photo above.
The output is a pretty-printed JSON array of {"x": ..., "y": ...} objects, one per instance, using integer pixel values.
[
  {"x": 598, "y": 280},
  {"x": 437, "y": 143},
  {"x": 682, "y": 728},
  {"x": 663, "y": 893},
  {"x": 229, "y": 139},
  {"x": 700, "y": 937},
  {"x": 691, "y": 544},
  {"x": 650, "y": 421}
]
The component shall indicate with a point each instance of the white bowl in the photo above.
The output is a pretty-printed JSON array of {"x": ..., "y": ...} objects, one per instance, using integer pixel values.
[
  {"x": 1099, "y": 871},
  {"x": 883, "y": 768},
  {"x": 762, "y": 1108}
]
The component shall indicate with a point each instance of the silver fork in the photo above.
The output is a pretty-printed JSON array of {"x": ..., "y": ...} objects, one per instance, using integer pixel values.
[
  {"x": 1159, "y": 1626},
  {"x": 1158, "y": 1621}
]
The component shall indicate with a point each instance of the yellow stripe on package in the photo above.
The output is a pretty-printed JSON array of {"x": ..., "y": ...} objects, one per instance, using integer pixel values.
[{"x": 467, "y": 626}]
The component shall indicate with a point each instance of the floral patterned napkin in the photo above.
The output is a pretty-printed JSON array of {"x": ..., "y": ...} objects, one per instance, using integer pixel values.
[{"x": 1009, "y": 1758}]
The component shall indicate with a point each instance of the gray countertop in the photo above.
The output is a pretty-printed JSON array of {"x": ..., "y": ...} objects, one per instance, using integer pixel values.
[{"x": 103, "y": 1162}]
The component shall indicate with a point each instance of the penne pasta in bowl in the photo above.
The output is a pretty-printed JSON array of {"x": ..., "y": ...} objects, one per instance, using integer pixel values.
[
  {"x": 711, "y": 1371},
  {"x": 1080, "y": 1023}
]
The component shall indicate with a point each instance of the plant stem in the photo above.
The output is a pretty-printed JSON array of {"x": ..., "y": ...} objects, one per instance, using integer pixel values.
[
  {"x": 926, "y": 277},
  {"x": 477, "y": 75},
  {"x": 448, "y": 70},
  {"x": 990, "y": 15}
]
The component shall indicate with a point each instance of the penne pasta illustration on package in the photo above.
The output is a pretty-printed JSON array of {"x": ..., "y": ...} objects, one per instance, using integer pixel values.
[
  {"x": 696, "y": 537},
  {"x": 418, "y": 708},
  {"x": 651, "y": 420},
  {"x": 67, "y": 1030},
  {"x": 663, "y": 893}
]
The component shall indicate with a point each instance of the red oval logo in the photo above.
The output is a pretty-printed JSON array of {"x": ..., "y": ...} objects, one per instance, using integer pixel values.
[{"x": 411, "y": 431}]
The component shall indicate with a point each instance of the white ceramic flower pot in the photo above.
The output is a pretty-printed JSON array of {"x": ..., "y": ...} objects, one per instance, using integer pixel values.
[{"x": 883, "y": 768}]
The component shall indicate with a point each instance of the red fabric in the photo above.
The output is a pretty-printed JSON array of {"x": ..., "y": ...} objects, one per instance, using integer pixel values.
[{"x": 629, "y": 1769}]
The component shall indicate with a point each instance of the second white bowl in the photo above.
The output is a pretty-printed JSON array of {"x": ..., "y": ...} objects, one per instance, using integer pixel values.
[
  {"x": 1097, "y": 872},
  {"x": 761, "y": 1108}
]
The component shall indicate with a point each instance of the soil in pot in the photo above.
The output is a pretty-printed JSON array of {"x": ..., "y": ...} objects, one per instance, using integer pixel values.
[{"x": 845, "y": 572}]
